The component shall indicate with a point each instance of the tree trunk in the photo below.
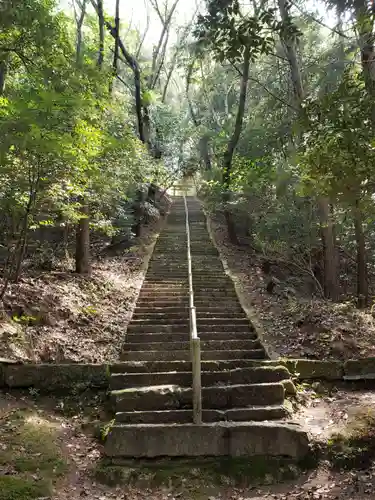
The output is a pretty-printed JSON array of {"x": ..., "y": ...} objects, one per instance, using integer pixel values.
[
  {"x": 3, "y": 74},
  {"x": 80, "y": 19},
  {"x": 362, "y": 285},
  {"x": 228, "y": 155},
  {"x": 365, "y": 26},
  {"x": 204, "y": 152},
  {"x": 289, "y": 43},
  {"x": 157, "y": 58},
  {"x": 101, "y": 33},
  {"x": 134, "y": 66},
  {"x": 327, "y": 230},
  {"x": 83, "y": 242}
]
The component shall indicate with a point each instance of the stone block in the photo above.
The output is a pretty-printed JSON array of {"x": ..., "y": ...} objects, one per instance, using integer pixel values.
[
  {"x": 216, "y": 439},
  {"x": 268, "y": 439},
  {"x": 309, "y": 369},
  {"x": 359, "y": 369}
]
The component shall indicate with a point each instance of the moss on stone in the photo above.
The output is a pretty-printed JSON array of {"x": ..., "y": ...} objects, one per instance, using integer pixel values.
[{"x": 237, "y": 471}]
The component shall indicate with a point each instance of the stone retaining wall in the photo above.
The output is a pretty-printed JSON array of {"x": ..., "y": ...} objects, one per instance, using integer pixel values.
[
  {"x": 353, "y": 369},
  {"x": 51, "y": 377}
]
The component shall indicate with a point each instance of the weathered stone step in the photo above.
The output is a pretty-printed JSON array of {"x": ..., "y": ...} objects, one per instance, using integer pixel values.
[
  {"x": 209, "y": 320},
  {"x": 185, "y": 328},
  {"x": 168, "y": 397},
  {"x": 213, "y": 294},
  {"x": 184, "y": 379},
  {"x": 170, "y": 287},
  {"x": 185, "y": 366},
  {"x": 215, "y": 439},
  {"x": 185, "y": 355},
  {"x": 173, "y": 316},
  {"x": 182, "y": 309},
  {"x": 166, "y": 302},
  {"x": 251, "y": 413},
  {"x": 168, "y": 272},
  {"x": 214, "y": 345},
  {"x": 181, "y": 337}
]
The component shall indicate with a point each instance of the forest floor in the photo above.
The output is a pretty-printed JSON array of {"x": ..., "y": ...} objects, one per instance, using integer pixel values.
[
  {"x": 59, "y": 316},
  {"x": 294, "y": 323},
  {"x": 49, "y": 448}
]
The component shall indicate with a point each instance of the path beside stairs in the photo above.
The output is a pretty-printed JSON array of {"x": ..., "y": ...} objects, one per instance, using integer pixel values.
[{"x": 242, "y": 393}]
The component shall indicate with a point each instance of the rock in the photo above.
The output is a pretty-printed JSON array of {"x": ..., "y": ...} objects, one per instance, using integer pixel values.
[
  {"x": 271, "y": 284},
  {"x": 4, "y": 362},
  {"x": 289, "y": 291},
  {"x": 290, "y": 388}
]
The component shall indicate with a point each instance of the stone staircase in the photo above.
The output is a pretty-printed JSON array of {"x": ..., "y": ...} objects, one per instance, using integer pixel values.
[{"x": 242, "y": 393}]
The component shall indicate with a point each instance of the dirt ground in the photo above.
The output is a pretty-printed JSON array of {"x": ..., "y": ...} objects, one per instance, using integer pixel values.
[
  {"x": 63, "y": 317},
  {"x": 71, "y": 456},
  {"x": 295, "y": 324}
]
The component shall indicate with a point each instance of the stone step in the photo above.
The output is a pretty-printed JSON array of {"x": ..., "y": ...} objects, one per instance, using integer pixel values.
[
  {"x": 200, "y": 275},
  {"x": 201, "y": 321},
  {"x": 184, "y": 379},
  {"x": 182, "y": 337},
  {"x": 209, "y": 345},
  {"x": 181, "y": 315},
  {"x": 185, "y": 328},
  {"x": 147, "y": 297},
  {"x": 168, "y": 397},
  {"x": 168, "y": 288},
  {"x": 161, "y": 301},
  {"x": 254, "y": 413},
  {"x": 185, "y": 366},
  {"x": 270, "y": 439},
  {"x": 184, "y": 303},
  {"x": 182, "y": 309},
  {"x": 214, "y": 294},
  {"x": 185, "y": 355},
  {"x": 161, "y": 294}
]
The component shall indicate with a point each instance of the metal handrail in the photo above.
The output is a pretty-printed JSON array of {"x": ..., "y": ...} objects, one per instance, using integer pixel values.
[{"x": 195, "y": 343}]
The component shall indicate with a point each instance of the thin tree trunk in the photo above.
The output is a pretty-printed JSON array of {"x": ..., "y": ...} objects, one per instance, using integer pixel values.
[
  {"x": 327, "y": 229},
  {"x": 289, "y": 43},
  {"x": 83, "y": 242},
  {"x": 3, "y": 74},
  {"x": 166, "y": 22},
  {"x": 117, "y": 47},
  {"x": 365, "y": 26},
  {"x": 362, "y": 285},
  {"x": 169, "y": 76},
  {"x": 204, "y": 152},
  {"x": 161, "y": 62},
  {"x": 134, "y": 66},
  {"x": 101, "y": 33},
  {"x": 80, "y": 19},
  {"x": 228, "y": 155}
]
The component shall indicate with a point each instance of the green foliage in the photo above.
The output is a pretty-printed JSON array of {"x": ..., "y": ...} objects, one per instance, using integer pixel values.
[
  {"x": 65, "y": 137},
  {"x": 338, "y": 150},
  {"x": 227, "y": 30}
]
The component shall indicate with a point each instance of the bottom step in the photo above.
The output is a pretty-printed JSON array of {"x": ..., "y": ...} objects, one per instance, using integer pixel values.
[{"x": 216, "y": 439}]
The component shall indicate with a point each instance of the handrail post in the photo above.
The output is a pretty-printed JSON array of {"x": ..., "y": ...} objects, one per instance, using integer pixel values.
[{"x": 195, "y": 343}]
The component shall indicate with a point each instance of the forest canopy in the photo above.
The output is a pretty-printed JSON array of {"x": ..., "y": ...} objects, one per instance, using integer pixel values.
[{"x": 270, "y": 104}]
